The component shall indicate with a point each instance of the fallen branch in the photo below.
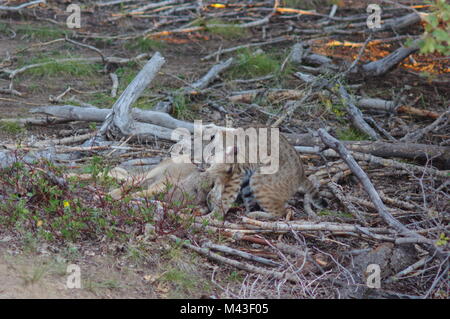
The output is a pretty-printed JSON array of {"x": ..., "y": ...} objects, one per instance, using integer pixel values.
[
  {"x": 209, "y": 76},
  {"x": 356, "y": 115},
  {"x": 413, "y": 151},
  {"x": 120, "y": 121},
  {"x": 441, "y": 121},
  {"x": 382, "y": 66},
  {"x": 333, "y": 143},
  {"x": 89, "y": 114},
  {"x": 249, "y": 45},
  {"x": 22, "y": 6}
]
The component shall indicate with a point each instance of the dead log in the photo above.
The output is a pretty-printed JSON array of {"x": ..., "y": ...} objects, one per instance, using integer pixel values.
[
  {"x": 397, "y": 24},
  {"x": 380, "y": 105},
  {"x": 384, "y": 65},
  {"x": 89, "y": 114},
  {"x": 120, "y": 121},
  {"x": 412, "y": 151},
  {"x": 440, "y": 122},
  {"x": 22, "y": 6}
]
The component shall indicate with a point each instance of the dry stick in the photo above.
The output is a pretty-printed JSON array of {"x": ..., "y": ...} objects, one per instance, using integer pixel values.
[
  {"x": 153, "y": 5},
  {"x": 408, "y": 270},
  {"x": 292, "y": 107},
  {"x": 90, "y": 47},
  {"x": 299, "y": 225},
  {"x": 240, "y": 265},
  {"x": 10, "y": 91},
  {"x": 333, "y": 143},
  {"x": 66, "y": 140},
  {"x": 382, "y": 66},
  {"x": 90, "y": 114},
  {"x": 209, "y": 76},
  {"x": 239, "y": 253},
  {"x": 343, "y": 199},
  {"x": 416, "y": 135},
  {"x": 377, "y": 104},
  {"x": 58, "y": 98},
  {"x": 22, "y": 6},
  {"x": 413, "y": 151},
  {"x": 256, "y": 23},
  {"x": 397, "y": 24},
  {"x": 371, "y": 159},
  {"x": 361, "y": 51},
  {"x": 120, "y": 120},
  {"x": 13, "y": 73},
  {"x": 222, "y": 51},
  {"x": 111, "y": 3},
  {"x": 356, "y": 115}
]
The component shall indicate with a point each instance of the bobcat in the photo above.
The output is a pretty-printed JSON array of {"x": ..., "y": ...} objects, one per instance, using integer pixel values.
[
  {"x": 246, "y": 180},
  {"x": 187, "y": 182}
]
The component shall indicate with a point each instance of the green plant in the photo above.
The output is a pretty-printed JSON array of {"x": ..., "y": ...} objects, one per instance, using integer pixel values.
[
  {"x": 224, "y": 29},
  {"x": 180, "y": 107},
  {"x": 254, "y": 64},
  {"x": 51, "y": 67},
  {"x": 11, "y": 127},
  {"x": 437, "y": 29},
  {"x": 41, "y": 33},
  {"x": 143, "y": 44},
  {"x": 351, "y": 134},
  {"x": 443, "y": 240},
  {"x": 35, "y": 276}
]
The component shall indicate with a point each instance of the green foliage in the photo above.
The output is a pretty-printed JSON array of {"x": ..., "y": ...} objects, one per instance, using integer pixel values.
[
  {"x": 307, "y": 4},
  {"x": 225, "y": 30},
  {"x": 351, "y": 134},
  {"x": 52, "y": 68},
  {"x": 333, "y": 213},
  {"x": 11, "y": 127},
  {"x": 180, "y": 107},
  {"x": 437, "y": 29},
  {"x": 102, "y": 100},
  {"x": 443, "y": 240},
  {"x": 221, "y": 28},
  {"x": 144, "y": 44},
  {"x": 41, "y": 33},
  {"x": 36, "y": 206},
  {"x": 252, "y": 64}
]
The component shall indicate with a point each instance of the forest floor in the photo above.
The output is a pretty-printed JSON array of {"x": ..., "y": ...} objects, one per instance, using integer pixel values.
[{"x": 130, "y": 266}]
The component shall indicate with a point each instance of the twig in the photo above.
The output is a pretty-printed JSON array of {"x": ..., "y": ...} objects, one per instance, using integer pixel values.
[
  {"x": 416, "y": 135},
  {"x": 22, "y": 6},
  {"x": 370, "y": 189},
  {"x": 222, "y": 51},
  {"x": 236, "y": 252}
]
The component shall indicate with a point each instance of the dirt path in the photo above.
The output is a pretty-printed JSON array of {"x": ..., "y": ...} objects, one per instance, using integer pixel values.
[{"x": 31, "y": 276}]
